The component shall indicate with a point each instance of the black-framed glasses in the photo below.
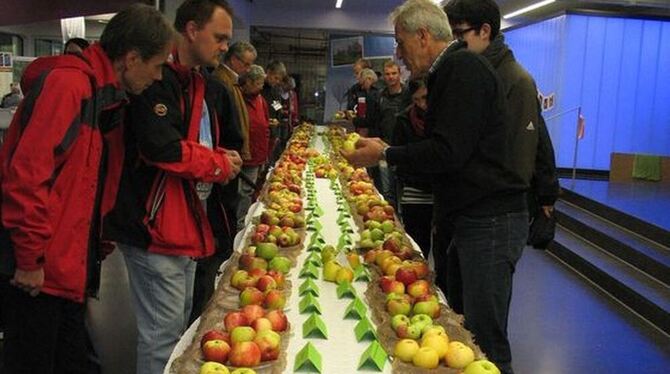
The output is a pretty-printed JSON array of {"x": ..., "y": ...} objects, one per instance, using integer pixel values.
[{"x": 459, "y": 33}]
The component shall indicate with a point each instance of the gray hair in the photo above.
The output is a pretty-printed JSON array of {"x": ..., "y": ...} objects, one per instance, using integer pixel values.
[
  {"x": 369, "y": 73},
  {"x": 276, "y": 67},
  {"x": 416, "y": 14},
  {"x": 254, "y": 74},
  {"x": 237, "y": 49}
]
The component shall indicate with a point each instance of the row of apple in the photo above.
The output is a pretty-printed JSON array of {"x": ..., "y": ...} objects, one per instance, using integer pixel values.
[
  {"x": 411, "y": 301},
  {"x": 252, "y": 333}
]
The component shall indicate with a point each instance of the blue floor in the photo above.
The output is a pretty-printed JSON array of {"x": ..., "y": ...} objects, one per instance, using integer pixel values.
[
  {"x": 559, "y": 323},
  {"x": 647, "y": 201}
]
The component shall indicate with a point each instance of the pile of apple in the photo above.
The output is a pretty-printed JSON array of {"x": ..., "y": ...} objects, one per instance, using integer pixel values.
[
  {"x": 283, "y": 202},
  {"x": 282, "y": 236},
  {"x": 251, "y": 336}
]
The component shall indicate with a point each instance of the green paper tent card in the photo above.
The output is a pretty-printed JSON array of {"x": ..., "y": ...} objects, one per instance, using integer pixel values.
[
  {"x": 309, "y": 304},
  {"x": 318, "y": 211},
  {"x": 309, "y": 271},
  {"x": 314, "y": 248},
  {"x": 361, "y": 274},
  {"x": 364, "y": 330},
  {"x": 355, "y": 310},
  {"x": 314, "y": 328},
  {"x": 309, "y": 287},
  {"x": 345, "y": 289},
  {"x": 374, "y": 357},
  {"x": 313, "y": 258},
  {"x": 308, "y": 359}
]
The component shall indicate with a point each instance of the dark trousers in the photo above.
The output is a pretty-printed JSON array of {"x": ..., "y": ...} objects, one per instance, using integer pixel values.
[
  {"x": 203, "y": 286},
  {"x": 43, "y": 334},
  {"x": 480, "y": 265},
  {"x": 418, "y": 222}
]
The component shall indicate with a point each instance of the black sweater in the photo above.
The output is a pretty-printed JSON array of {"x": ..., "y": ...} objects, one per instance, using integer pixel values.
[{"x": 467, "y": 145}]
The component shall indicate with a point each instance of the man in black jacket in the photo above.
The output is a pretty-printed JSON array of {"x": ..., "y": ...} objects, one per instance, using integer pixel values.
[
  {"x": 480, "y": 202},
  {"x": 477, "y": 22}
]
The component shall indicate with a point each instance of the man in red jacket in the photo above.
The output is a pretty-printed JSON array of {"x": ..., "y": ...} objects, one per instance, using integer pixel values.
[
  {"x": 172, "y": 161},
  {"x": 59, "y": 168}
]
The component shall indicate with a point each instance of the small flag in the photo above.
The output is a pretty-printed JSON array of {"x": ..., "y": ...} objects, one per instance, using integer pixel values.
[{"x": 580, "y": 126}]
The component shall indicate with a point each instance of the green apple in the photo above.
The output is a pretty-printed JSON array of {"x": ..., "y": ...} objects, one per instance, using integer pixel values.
[
  {"x": 330, "y": 270},
  {"x": 213, "y": 368},
  {"x": 426, "y": 358},
  {"x": 408, "y": 332},
  {"x": 376, "y": 234},
  {"x": 421, "y": 321},
  {"x": 399, "y": 306},
  {"x": 482, "y": 367},
  {"x": 459, "y": 355},
  {"x": 328, "y": 253},
  {"x": 439, "y": 343},
  {"x": 430, "y": 308},
  {"x": 366, "y": 243},
  {"x": 281, "y": 264},
  {"x": 373, "y": 225},
  {"x": 268, "y": 251},
  {"x": 399, "y": 320},
  {"x": 405, "y": 349},
  {"x": 243, "y": 371},
  {"x": 365, "y": 234},
  {"x": 242, "y": 334},
  {"x": 388, "y": 226}
]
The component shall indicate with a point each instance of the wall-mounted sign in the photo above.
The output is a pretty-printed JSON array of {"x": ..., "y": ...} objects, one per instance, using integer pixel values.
[{"x": 6, "y": 62}]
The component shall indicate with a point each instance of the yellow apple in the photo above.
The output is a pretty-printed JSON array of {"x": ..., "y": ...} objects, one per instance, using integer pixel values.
[
  {"x": 405, "y": 349},
  {"x": 482, "y": 367},
  {"x": 459, "y": 355},
  {"x": 426, "y": 357},
  {"x": 439, "y": 343},
  {"x": 213, "y": 368},
  {"x": 344, "y": 275}
]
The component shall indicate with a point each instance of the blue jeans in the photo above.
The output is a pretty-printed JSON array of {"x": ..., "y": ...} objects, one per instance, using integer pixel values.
[
  {"x": 481, "y": 260},
  {"x": 161, "y": 291}
]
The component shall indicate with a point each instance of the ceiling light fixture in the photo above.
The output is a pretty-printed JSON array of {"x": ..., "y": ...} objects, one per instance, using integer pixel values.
[
  {"x": 338, "y": 4},
  {"x": 528, "y": 8}
]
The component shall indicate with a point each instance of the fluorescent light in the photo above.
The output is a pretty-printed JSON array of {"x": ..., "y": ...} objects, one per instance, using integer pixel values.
[
  {"x": 338, "y": 4},
  {"x": 528, "y": 8}
]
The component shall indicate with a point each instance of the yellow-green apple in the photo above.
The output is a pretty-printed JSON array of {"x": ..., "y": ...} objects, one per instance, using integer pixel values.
[
  {"x": 245, "y": 354},
  {"x": 261, "y": 324},
  {"x": 387, "y": 227},
  {"x": 284, "y": 240},
  {"x": 459, "y": 355},
  {"x": 281, "y": 264},
  {"x": 408, "y": 332},
  {"x": 439, "y": 343},
  {"x": 214, "y": 335},
  {"x": 213, "y": 368},
  {"x": 426, "y": 358},
  {"x": 421, "y": 320},
  {"x": 268, "y": 251},
  {"x": 381, "y": 256},
  {"x": 257, "y": 272},
  {"x": 242, "y": 334},
  {"x": 266, "y": 283},
  {"x": 405, "y": 349},
  {"x": 418, "y": 288},
  {"x": 392, "y": 268},
  {"x": 376, "y": 234},
  {"x": 330, "y": 270},
  {"x": 399, "y": 320},
  {"x": 434, "y": 330},
  {"x": 354, "y": 259},
  {"x": 328, "y": 253},
  {"x": 406, "y": 275},
  {"x": 278, "y": 277},
  {"x": 258, "y": 263},
  {"x": 431, "y": 308},
  {"x": 275, "y": 299},
  {"x": 481, "y": 367},
  {"x": 241, "y": 280},
  {"x": 366, "y": 243},
  {"x": 420, "y": 268},
  {"x": 216, "y": 350},
  {"x": 252, "y": 312},
  {"x": 235, "y": 319},
  {"x": 397, "y": 306},
  {"x": 388, "y": 261},
  {"x": 344, "y": 275},
  {"x": 251, "y": 295},
  {"x": 278, "y": 320},
  {"x": 268, "y": 342},
  {"x": 243, "y": 371}
]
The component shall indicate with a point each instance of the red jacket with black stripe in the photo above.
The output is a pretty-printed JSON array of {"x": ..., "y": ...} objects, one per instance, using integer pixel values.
[
  {"x": 157, "y": 206},
  {"x": 59, "y": 168}
]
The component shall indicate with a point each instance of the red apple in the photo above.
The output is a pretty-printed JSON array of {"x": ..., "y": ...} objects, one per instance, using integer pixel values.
[
  {"x": 268, "y": 342},
  {"x": 257, "y": 272},
  {"x": 261, "y": 324},
  {"x": 253, "y": 312},
  {"x": 419, "y": 288},
  {"x": 214, "y": 335},
  {"x": 266, "y": 283},
  {"x": 246, "y": 260},
  {"x": 216, "y": 350},
  {"x": 234, "y": 319},
  {"x": 406, "y": 275},
  {"x": 251, "y": 295},
  {"x": 278, "y": 277},
  {"x": 245, "y": 354},
  {"x": 275, "y": 299},
  {"x": 278, "y": 320}
]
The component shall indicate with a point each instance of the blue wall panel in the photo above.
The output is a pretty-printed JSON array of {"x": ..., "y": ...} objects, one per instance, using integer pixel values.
[{"x": 617, "y": 70}]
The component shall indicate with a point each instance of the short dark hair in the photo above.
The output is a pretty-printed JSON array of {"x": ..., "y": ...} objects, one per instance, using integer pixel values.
[
  {"x": 81, "y": 43},
  {"x": 198, "y": 11},
  {"x": 365, "y": 64},
  {"x": 138, "y": 28},
  {"x": 474, "y": 12}
]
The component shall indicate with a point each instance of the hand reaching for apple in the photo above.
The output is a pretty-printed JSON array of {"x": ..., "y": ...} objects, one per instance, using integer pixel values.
[
  {"x": 28, "y": 281},
  {"x": 368, "y": 152}
]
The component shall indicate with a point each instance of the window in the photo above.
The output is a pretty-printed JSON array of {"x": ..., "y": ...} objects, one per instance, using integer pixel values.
[
  {"x": 11, "y": 43},
  {"x": 48, "y": 47}
]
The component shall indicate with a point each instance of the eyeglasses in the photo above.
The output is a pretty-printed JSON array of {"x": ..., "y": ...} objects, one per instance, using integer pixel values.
[{"x": 459, "y": 33}]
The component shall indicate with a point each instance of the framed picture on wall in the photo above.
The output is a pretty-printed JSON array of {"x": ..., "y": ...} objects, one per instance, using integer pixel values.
[{"x": 346, "y": 51}]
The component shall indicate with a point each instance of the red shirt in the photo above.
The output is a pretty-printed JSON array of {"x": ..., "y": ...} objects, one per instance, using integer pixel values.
[{"x": 259, "y": 130}]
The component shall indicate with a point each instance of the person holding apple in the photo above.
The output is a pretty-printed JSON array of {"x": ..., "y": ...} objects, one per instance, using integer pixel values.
[
  {"x": 60, "y": 168},
  {"x": 160, "y": 221},
  {"x": 480, "y": 208}
]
